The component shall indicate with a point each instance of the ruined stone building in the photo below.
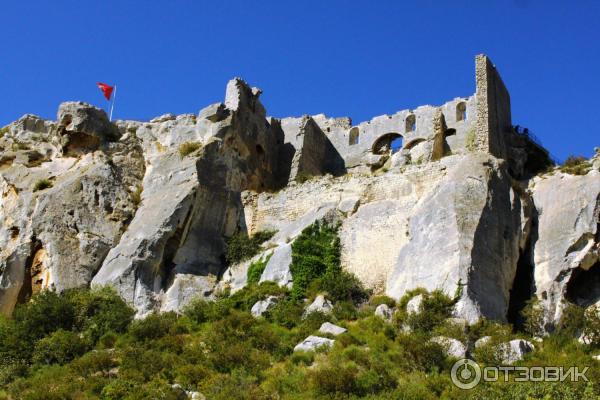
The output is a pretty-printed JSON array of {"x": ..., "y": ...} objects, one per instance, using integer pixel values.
[{"x": 436, "y": 197}]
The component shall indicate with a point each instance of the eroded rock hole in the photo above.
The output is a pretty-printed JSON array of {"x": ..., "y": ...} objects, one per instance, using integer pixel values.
[
  {"x": 522, "y": 290},
  {"x": 33, "y": 280},
  {"x": 583, "y": 287}
]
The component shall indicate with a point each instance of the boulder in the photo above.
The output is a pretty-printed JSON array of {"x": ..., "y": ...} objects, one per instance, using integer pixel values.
[
  {"x": 320, "y": 304},
  {"x": 515, "y": 350},
  {"x": 384, "y": 311},
  {"x": 452, "y": 347},
  {"x": 313, "y": 343},
  {"x": 262, "y": 306},
  {"x": 482, "y": 341},
  {"x": 328, "y": 327},
  {"x": 414, "y": 304}
]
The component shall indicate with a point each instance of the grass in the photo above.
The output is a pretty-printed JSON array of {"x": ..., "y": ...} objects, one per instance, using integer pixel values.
[
  {"x": 576, "y": 165},
  {"x": 257, "y": 268},
  {"x": 42, "y": 184},
  {"x": 188, "y": 148}
]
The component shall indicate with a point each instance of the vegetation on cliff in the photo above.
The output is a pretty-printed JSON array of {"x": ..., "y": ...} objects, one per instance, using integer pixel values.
[{"x": 85, "y": 344}]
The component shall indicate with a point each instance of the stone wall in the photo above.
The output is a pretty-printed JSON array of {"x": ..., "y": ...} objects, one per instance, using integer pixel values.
[{"x": 494, "y": 122}]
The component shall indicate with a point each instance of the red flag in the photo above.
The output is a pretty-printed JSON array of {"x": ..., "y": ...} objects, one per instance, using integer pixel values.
[{"x": 106, "y": 89}]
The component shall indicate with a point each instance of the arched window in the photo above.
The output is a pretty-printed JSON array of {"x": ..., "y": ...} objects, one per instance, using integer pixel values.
[
  {"x": 354, "y": 134},
  {"x": 411, "y": 123},
  {"x": 461, "y": 111},
  {"x": 387, "y": 144}
]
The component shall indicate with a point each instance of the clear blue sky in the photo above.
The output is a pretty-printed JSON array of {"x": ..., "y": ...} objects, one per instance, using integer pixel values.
[{"x": 341, "y": 58}]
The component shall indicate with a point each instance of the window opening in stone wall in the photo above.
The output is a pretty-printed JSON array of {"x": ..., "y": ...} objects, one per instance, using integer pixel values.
[
  {"x": 461, "y": 111},
  {"x": 354, "y": 136},
  {"x": 411, "y": 123}
]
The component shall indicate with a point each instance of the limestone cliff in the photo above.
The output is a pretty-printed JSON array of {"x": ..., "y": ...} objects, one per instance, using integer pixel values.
[{"x": 438, "y": 197}]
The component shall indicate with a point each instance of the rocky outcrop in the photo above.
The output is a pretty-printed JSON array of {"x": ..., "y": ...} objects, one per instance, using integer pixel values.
[
  {"x": 566, "y": 247},
  {"x": 191, "y": 201},
  {"x": 147, "y": 207}
]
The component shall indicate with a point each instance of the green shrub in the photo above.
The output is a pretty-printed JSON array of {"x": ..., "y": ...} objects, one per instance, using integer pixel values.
[
  {"x": 315, "y": 250},
  {"x": 3, "y": 131},
  {"x": 154, "y": 326},
  {"x": 188, "y": 148},
  {"x": 45, "y": 313},
  {"x": 59, "y": 348},
  {"x": 99, "y": 311},
  {"x": 533, "y": 315},
  {"x": 591, "y": 329},
  {"x": 341, "y": 285},
  {"x": 576, "y": 165},
  {"x": 435, "y": 308},
  {"x": 241, "y": 247},
  {"x": 382, "y": 299},
  {"x": 256, "y": 269},
  {"x": 42, "y": 184},
  {"x": 95, "y": 362}
]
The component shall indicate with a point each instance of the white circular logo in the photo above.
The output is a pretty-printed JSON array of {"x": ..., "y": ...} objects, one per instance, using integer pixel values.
[{"x": 465, "y": 374}]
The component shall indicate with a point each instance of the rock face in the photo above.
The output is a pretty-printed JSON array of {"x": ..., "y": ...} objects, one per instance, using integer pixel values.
[
  {"x": 566, "y": 249},
  {"x": 437, "y": 197}
]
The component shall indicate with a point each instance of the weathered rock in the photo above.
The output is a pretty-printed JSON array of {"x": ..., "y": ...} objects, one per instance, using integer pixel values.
[
  {"x": 515, "y": 350},
  {"x": 84, "y": 127},
  {"x": 452, "y": 347},
  {"x": 190, "y": 202},
  {"x": 328, "y": 327},
  {"x": 278, "y": 267},
  {"x": 384, "y": 311},
  {"x": 313, "y": 343},
  {"x": 482, "y": 341},
  {"x": 566, "y": 250},
  {"x": 414, "y": 304},
  {"x": 320, "y": 304},
  {"x": 465, "y": 231},
  {"x": 262, "y": 306},
  {"x": 147, "y": 207}
]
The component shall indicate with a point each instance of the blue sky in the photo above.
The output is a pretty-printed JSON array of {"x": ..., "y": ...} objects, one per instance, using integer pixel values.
[{"x": 342, "y": 58}]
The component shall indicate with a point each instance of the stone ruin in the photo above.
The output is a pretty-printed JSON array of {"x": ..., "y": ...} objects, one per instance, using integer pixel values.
[{"x": 441, "y": 197}]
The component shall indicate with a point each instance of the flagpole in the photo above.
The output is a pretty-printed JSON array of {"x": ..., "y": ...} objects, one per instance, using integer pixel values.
[{"x": 113, "y": 103}]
